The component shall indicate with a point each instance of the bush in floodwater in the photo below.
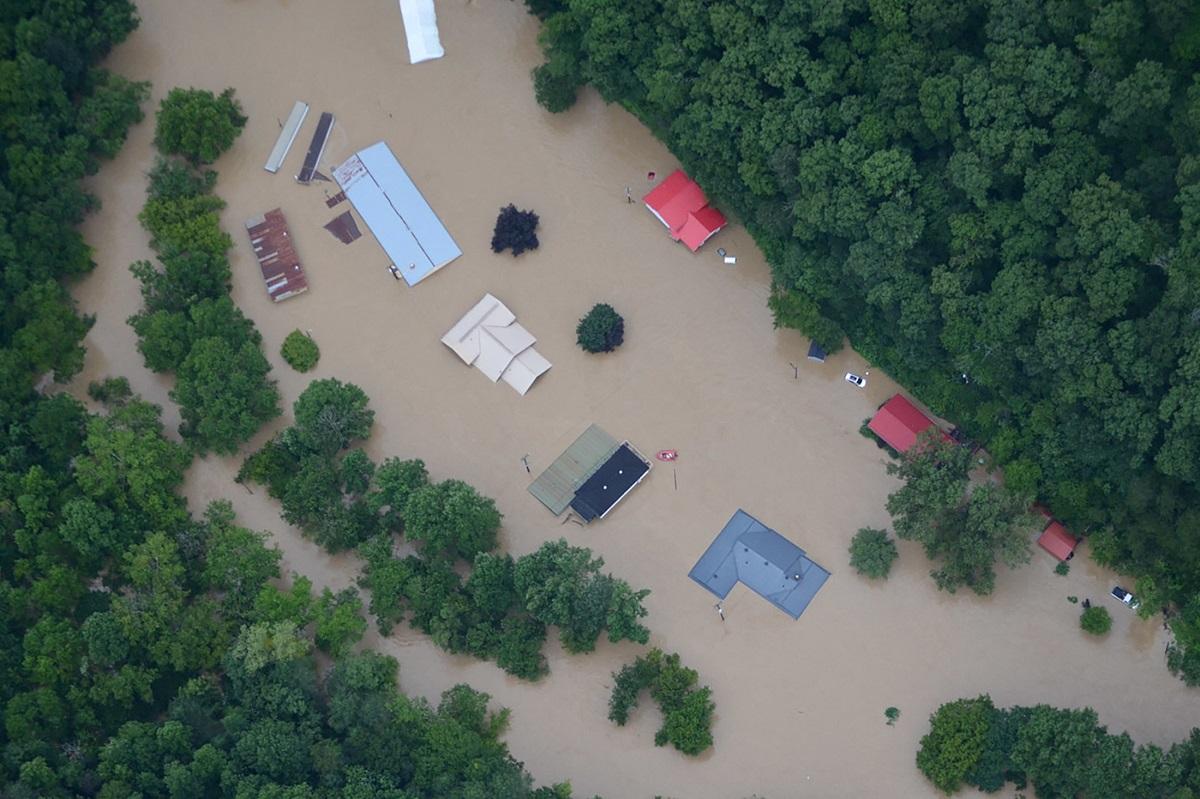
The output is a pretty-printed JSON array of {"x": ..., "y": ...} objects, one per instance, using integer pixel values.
[
  {"x": 872, "y": 553},
  {"x": 516, "y": 230},
  {"x": 1095, "y": 620},
  {"x": 602, "y": 330},
  {"x": 300, "y": 351}
]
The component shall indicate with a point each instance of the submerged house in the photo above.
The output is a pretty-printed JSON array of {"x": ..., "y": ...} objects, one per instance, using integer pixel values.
[
  {"x": 680, "y": 204},
  {"x": 591, "y": 476},
  {"x": 749, "y": 552},
  {"x": 489, "y": 338},
  {"x": 898, "y": 423}
]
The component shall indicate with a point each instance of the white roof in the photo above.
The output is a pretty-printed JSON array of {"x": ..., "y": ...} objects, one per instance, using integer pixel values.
[
  {"x": 489, "y": 338},
  {"x": 421, "y": 30},
  {"x": 411, "y": 234}
]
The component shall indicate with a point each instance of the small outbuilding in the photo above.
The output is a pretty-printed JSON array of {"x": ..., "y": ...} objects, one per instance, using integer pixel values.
[
  {"x": 898, "y": 423},
  {"x": 748, "y": 551},
  {"x": 816, "y": 352},
  {"x": 1058, "y": 541},
  {"x": 680, "y": 204}
]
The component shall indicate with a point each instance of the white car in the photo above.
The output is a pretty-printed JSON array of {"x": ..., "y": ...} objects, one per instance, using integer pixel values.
[
  {"x": 1124, "y": 596},
  {"x": 856, "y": 380}
]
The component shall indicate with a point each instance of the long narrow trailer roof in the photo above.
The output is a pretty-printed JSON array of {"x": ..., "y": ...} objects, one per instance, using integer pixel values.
[
  {"x": 316, "y": 148},
  {"x": 277, "y": 259},
  {"x": 409, "y": 231},
  {"x": 287, "y": 135}
]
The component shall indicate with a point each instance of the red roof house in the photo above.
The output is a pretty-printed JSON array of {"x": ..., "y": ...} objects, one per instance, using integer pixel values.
[
  {"x": 898, "y": 422},
  {"x": 680, "y": 204},
  {"x": 1057, "y": 541}
]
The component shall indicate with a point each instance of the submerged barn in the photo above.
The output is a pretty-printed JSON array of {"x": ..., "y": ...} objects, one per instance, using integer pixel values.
[
  {"x": 411, "y": 234},
  {"x": 749, "y": 552},
  {"x": 898, "y": 422},
  {"x": 591, "y": 477}
]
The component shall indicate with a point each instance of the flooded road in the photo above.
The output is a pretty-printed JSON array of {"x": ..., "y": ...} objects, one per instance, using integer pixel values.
[{"x": 799, "y": 703}]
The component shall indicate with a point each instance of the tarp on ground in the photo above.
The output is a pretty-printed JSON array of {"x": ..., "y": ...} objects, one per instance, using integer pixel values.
[
  {"x": 421, "y": 30},
  {"x": 489, "y": 338},
  {"x": 556, "y": 486},
  {"x": 748, "y": 551},
  {"x": 615, "y": 478},
  {"x": 411, "y": 234}
]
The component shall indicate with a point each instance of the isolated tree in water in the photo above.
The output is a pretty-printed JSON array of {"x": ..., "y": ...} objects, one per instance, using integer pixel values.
[
  {"x": 515, "y": 229},
  {"x": 602, "y": 330},
  {"x": 198, "y": 124}
]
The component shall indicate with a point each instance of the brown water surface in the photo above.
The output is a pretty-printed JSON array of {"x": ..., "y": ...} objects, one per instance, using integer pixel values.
[{"x": 799, "y": 704}]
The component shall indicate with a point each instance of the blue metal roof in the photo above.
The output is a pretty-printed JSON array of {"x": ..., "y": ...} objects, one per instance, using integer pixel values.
[
  {"x": 411, "y": 234},
  {"x": 748, "y": 551}
]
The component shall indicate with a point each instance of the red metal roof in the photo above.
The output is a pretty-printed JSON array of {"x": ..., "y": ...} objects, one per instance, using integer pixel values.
[
  {"x": 700, "y": 227},
  {"x": 898, "y": 423},
  {"x": 1057, "y": 541},
  {"x": 680, "y": 204}
]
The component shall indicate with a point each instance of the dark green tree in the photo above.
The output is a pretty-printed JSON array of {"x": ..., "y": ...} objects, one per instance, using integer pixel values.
[{"x": 197, "y": 124}]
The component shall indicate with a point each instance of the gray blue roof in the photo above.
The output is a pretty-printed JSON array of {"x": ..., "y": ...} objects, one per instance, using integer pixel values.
[
  {"x": 389, "y": 202},
  {"x": 748, "y": 551}
]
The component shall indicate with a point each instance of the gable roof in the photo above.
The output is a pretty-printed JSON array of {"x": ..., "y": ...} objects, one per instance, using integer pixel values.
[
  {"x": 1057, "y": 541},
  {"x": 898, "y": 422},
  {"x": 489, "y": 338},
  {"x": 680, "y": 204},
  {"x": 748, "y": 551}
]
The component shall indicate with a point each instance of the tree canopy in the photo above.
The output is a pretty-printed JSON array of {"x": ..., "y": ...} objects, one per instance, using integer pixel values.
[
  {"x": 197, "y": 124},
  {"x": 1008, "y": 191}
]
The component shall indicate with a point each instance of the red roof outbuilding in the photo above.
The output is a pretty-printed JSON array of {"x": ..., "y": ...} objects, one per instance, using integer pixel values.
[
  {"x": 680, "y": 204},
  {"x": 1057, "y": 541},
  {"x": 898, "y": 422}
]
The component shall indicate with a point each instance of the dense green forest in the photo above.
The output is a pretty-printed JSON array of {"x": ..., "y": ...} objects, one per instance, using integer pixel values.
[
  {"x": 1056, "y": 752},
  {"x": 144, "y": 652},
  {"x": 998, "y": 201}
]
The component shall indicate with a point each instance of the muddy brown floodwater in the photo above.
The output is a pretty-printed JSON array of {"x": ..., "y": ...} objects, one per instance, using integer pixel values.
[{"x": 799, "y": 703}]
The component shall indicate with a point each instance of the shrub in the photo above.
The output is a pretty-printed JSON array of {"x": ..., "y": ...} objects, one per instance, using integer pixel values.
[
  {"x": 872, "y": 553},
  {"x": 555, "y": 92},
  {"x": 515, "y": 229},
  {"x": 602, "y": 330},
  {"x": 1095, "y": 620},
  {"x": 300, "y": 351},
  {"x": 891, "y": 714},
  {"x": 1062, "y": 568}
]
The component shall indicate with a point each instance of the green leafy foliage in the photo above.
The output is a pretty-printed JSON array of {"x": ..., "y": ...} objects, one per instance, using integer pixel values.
[
  {"x": 967, "y": 528},
  {"x": 601, "y": 330},
  {"x": 451, "y": 519},
  {"x": 998, "y": 203},
  {"x": 300, "y": 351},
  {"x": 686, "y": 710},
  {"x": 197, "y": 124},
  {"x": 872, "y": 553},
  {"x": 1095, "y": 620}
]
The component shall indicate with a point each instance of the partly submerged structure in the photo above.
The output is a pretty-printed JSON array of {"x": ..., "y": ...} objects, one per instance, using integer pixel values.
[
  {"x": 680, "y": 204},
  {"x": 421, "y": 30},
  {"x": 898, "y": 423},
  {"x": 1058, "y": 541},
  {"x": 411, "y": 234},
  {"x": 277, "y": 259},
  {"x": 316, "y": 149},
  {"x": 748, "y": 551},
  {"x": 489, "y": 338},
  {"x": 591, "y": 477},
  {"x": 816, "y": 352},
  {"x": 287, "y": 135}
]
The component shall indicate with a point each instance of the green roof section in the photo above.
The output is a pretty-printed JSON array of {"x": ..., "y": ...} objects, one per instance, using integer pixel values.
[{"x": 556, "y": 487}]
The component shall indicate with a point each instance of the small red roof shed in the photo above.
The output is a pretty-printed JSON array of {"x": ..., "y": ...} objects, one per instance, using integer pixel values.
[
  {"x": 680, "y": 204},
  {"x": 1057, "y": 541},
  {"x": 898, "y": 422}
]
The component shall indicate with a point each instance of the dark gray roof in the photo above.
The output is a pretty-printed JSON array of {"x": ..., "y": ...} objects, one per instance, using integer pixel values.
[
  {"x": 769, "y": 564},
  {"x": 816, "y": 352},
  {"x": 612, "y": 481}
]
